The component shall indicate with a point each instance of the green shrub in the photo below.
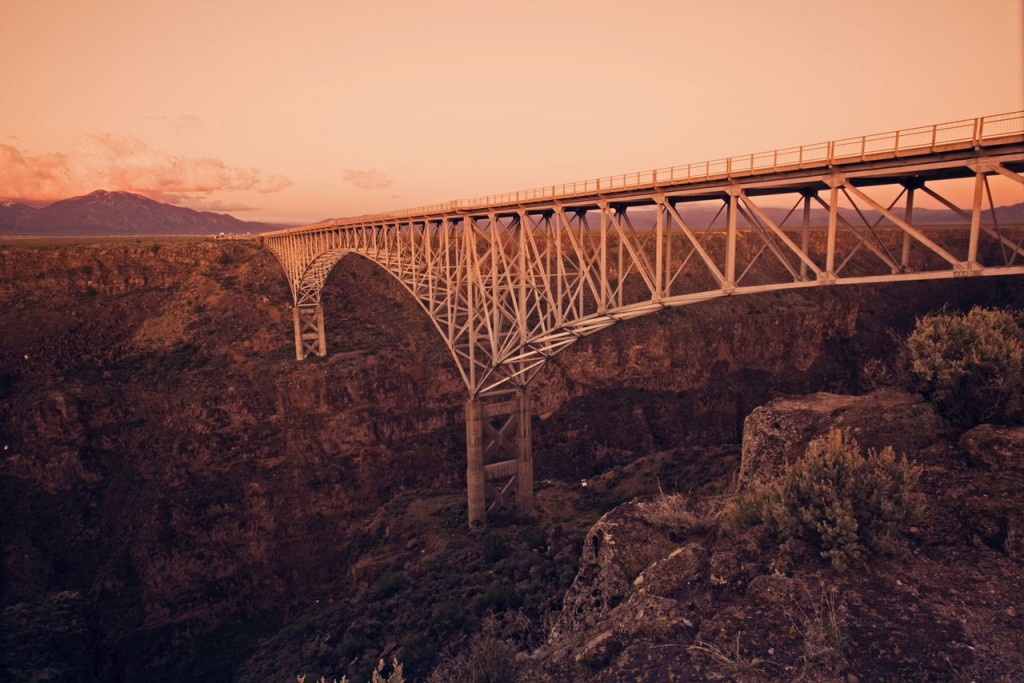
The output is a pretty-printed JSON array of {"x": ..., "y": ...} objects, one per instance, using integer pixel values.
[
  {"x": 842, "y": 503},
  {"x": 971, "y": 366}
]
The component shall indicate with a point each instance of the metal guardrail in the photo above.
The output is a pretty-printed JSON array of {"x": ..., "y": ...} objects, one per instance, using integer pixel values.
[{"x": 965, "y": 133}]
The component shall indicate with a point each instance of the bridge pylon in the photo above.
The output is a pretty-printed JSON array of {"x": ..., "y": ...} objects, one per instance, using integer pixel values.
[
  {"x": 310, "y": 338},
  {"x": 499, "y": 455}
]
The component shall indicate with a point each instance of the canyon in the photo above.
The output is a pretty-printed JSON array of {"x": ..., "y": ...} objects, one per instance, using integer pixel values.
[{"x": 180, "y": 498}]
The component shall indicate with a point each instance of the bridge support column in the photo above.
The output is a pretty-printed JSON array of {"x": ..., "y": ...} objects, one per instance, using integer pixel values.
[
  {"x": 524, "y": 455},
  {"x": 499, "y": 456},
  {"x": 476, "y": 492},
  {"x": 309, "y": 331}
]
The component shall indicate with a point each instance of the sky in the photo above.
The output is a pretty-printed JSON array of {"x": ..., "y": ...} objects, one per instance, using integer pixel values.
[{"x": 298, "y": 111}]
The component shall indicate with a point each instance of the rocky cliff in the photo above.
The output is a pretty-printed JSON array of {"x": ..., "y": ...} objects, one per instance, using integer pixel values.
[
  {"x": 673, "y": 589},
  {"x": 176, "y": 488}
]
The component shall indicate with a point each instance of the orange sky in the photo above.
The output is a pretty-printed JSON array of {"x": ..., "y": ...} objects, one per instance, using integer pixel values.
[{"x": 296, "y": 111}]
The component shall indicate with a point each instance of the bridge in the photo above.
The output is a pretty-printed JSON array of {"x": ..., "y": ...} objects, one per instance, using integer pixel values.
[{"x": 509, "y": 280}]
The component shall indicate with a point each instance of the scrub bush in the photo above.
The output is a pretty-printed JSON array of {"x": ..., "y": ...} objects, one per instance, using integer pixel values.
[
  {"x": 970, "y": 366},
  {"x": 840, "y": 502}
]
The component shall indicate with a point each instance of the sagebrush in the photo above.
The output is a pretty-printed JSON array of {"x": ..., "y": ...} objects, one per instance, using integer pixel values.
[
  {"x": 971, "y": 366},
  {"x": 842, "y": 503}
]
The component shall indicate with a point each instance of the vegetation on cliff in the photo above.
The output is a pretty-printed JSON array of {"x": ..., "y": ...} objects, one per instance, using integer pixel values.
[
  {"x": 971, "y": 366},
  {"x": 844, "y": 504}
]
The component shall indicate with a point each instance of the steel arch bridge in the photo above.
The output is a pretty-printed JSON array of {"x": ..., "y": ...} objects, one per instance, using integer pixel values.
[{"x": 510, "y": 280}]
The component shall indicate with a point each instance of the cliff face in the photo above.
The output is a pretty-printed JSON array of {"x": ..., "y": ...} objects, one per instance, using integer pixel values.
[
  {"x": 172, "y": 478},
  {"x": 674, "y": 588},
  {"x": 166, "y": 459}
]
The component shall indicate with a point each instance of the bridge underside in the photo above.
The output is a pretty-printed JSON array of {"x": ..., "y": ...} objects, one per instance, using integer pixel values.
[{"x": 510, "y": 284}]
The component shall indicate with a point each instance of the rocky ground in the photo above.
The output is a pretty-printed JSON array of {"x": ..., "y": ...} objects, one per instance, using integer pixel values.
[
  {"x": 675, "y": 590},
  {"x": 180, "y": 499}
]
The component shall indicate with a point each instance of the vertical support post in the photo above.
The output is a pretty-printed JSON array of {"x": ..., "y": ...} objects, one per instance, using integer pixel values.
[
  {"x": 299, "y": 355},
  {"x": 475, "y": 482},
  {"x": 523, "y": 278},
  {"x": 524, "y": 454},
  {"x": 830, "y": 249},
  {"x": 659, "y": 255},
  {"x": 619, "y": 267},
  {"x": 602, "y": 305},
  {"x": 730, "y": 242},
  {"x": 321, "y": 334},
  {"x": 471, "y": 266},
  {"x": 805, "y": 235},
  {"x": 972, "y": 246},
  {"x": 668, "y": 247},
  {"x": 908, "y": 218},
  {"x": 309, "y": 331}
]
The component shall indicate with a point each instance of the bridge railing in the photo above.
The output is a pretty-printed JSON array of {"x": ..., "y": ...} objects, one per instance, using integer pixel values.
[{"x": 965, "y": 133}]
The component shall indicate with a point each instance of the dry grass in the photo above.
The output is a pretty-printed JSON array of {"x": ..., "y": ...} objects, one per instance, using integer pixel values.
[
  {"x": 677, "y": 511},
  {"x": 732, "y": 661},
  {"x": 823, "y": 628}
]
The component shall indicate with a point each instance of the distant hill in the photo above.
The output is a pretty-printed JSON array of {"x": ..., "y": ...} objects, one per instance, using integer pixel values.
[{"x": 116, "y": 213}]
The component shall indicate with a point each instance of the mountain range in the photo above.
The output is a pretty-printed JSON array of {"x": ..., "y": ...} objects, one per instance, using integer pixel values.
[{"x": 116, "y": 213}]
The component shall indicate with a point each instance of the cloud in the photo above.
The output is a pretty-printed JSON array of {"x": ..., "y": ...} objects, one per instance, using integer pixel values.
[
  {"x": 184, "y": 123},
  {"x": 367, "y": 180},
  {"x": 205, "y": 203},
  {"x": 116, "y": 162}
]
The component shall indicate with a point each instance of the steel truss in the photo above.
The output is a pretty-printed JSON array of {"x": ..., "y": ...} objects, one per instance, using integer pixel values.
[{"x": 511, "y": 282}]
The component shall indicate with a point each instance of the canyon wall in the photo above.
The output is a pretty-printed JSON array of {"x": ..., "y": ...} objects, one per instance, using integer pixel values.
[{"x": 173, "y": 483}]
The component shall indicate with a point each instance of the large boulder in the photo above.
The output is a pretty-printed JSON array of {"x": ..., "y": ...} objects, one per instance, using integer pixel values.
[
  {"x": 616, "y": 550},
  {"x": 998, "y": 447},
  {"x": 989, "y": 507},
  {"x": 778, "y": 433}
]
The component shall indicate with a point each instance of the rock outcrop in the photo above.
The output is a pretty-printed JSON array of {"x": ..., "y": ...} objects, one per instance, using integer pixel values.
[
  {"x": 778, "y": 432},
  {"x": 716, "y": 605}
]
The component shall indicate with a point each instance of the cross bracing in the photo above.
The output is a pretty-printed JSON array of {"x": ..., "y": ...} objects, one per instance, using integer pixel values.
[{"x": 510, "y": 280}]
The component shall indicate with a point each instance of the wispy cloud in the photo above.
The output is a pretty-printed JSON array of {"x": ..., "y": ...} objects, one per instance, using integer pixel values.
[
  {"x": 183, "y": 123},
  {"x": 119, "y": 162},
  {"x": 206, "y": 203},
  {"x": 367, "y": 180}
]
